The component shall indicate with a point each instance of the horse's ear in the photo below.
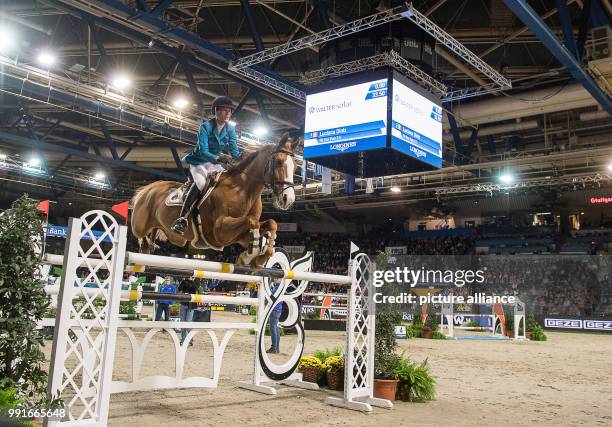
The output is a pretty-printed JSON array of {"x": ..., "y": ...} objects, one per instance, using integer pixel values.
[
  {"x": 296, "y": 142},
  {"x": 283, "y": 140}
]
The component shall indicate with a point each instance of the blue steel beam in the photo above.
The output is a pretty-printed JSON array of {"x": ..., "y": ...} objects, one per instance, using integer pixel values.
[
  {"x": 126, "y": 152},
  {"x": 455, "y": 132},
  {"x": 63, "y": 162},
  {"x": 566, "y": 25},
  {"x": 177, "y": 160},
  {"x": 102, "y": 61},
  {"x": 165, "y": 73},
  {"x": 262, "y": 108},
  {"x": 109, "y": 140},
  {"x": 180, "y": 36},
  {"x": 243, "y": 101},
  {"x": 472, "y": 143},
  {"x": 321, "y": 7},
  {"x": 583, "y": 29},
  {"x": 107, "y": 170},
  {"x": 161, "y": 7},
  {"x": 37, "y": 142},
  {"x": 51, "y": 129},
  {"x": 533, "y": 21},
  {"x": 491, "y": 145},
  {"x": 27, "y": 142},
  {"x": 248, "y": 13},
  {"x": 192, "y": 84},
  {"x": 599, "y": 16},
  {"x": 141, "y": 5}
]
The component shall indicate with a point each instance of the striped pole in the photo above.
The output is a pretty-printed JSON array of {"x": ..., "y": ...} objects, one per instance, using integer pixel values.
[
  {"x": 137, "y": 295},
  {"x": 209, "y": 269},
  {"x": 226, "y": 268}
]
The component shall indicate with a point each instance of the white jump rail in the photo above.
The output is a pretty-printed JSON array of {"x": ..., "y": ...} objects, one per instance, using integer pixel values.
[{"x": 84, "y": 349}]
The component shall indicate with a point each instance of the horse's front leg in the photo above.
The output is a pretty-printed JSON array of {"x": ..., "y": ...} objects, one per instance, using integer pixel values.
[
  {"x": 245, "y": 231},
  {"x": 266, "y": 229}
]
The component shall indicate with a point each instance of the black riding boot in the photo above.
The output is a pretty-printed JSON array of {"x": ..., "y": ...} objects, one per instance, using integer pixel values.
[{"x": 180, "y": 225}]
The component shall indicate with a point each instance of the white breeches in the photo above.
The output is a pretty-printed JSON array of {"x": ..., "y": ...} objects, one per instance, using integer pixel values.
[{"x": 200, "y": 173}]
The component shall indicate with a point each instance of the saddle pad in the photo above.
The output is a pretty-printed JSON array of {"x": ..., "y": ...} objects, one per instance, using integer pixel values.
[{"x": 176, "y": 195}]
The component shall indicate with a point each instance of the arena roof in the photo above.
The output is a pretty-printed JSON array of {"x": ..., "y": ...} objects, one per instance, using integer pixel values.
[{"x": 551, "y": 130}]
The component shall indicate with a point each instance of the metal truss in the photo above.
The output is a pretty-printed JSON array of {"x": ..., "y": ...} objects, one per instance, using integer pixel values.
[
  {"x": 539, "y": 182},
  {"x": 270, "y": 82},
  {"x": 321, "y": 37},
  {"x": 455, "y": 46},
  {"x": 391, "y": 58},
  {"x": 470, "y": 92}
]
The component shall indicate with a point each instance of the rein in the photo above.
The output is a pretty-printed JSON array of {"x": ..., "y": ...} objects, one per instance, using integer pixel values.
[{"x": 268, "y": 172}]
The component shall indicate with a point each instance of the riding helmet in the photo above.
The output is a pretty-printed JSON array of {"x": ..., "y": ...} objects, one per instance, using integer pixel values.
[{"x": 222, "y": 101}]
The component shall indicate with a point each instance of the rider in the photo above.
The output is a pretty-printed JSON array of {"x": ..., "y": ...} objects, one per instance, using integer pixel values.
[{"x": 216, "y": 135}]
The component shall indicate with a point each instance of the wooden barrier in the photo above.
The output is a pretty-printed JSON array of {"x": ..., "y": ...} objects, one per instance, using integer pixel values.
[{"x": 81, "y": 369}]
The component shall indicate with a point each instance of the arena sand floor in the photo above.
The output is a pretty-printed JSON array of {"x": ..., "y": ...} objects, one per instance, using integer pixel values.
[{"x": 566, "y": 380}]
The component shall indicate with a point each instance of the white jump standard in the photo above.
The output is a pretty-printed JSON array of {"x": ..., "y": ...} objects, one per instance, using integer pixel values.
[{"x": 81, "y": 369}]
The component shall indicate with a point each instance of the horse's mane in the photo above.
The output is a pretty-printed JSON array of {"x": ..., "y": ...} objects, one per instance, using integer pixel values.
[{"x": 247, "y": 160}]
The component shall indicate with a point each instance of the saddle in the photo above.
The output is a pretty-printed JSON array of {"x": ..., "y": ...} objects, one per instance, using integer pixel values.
[{"x": 176, "y": 197}]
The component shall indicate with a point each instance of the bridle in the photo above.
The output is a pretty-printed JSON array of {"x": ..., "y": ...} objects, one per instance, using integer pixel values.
[{"x": 271, "y": 181}]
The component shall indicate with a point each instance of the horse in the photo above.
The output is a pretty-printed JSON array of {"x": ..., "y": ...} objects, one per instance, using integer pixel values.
[{"x": 230, "y": 214}]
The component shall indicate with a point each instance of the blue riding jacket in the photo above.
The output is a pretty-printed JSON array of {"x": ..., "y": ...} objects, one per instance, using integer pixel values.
[{"x": 211, "y": 143}]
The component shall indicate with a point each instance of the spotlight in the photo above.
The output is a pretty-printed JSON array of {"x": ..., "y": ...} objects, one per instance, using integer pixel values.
[
  {"x": 180, "y": 103},
  {"x": 33, "y": 162},
  {"x": 99, "y": 176},
  {"x": 260, "y": 130},
  {"x": 46, "y": 59},
  {"x": 7, "y": 40},
  {"x": 233, "y": 123},
  {"x": 395, "y": 189},
  {"x": 610, "y": 166},
  {"x": 121, "y": 82},
  {"x": 506, "y": 178},
  {"x": 2, "y": 157}
]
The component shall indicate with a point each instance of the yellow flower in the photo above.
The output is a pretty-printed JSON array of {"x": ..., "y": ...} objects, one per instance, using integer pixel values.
[
  {"x": 309, "y": 362},
  {"x": 333, "y": 362}
]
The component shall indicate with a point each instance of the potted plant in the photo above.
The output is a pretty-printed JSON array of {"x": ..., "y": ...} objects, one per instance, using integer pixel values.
[
  {"x": 415, "y": 382},
  {"x": 431, "y": 325},
  {"x": 323, "y": 355},
  {"x": 310, "y": 367},
  {"x": 385, "y": 358},
  {"x": 414, "y": 329},
  {"x": 537, "y": 334},
  {"x": 334, "y": 372}
]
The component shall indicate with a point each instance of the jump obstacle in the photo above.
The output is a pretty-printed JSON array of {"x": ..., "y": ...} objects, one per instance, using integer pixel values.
[
  {"x": 84, "y": 349},
  {"x": 447, "y": 322}
]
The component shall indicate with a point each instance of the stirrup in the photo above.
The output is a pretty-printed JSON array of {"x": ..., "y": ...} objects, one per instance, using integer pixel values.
[{"x": 180, "y": 225}]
